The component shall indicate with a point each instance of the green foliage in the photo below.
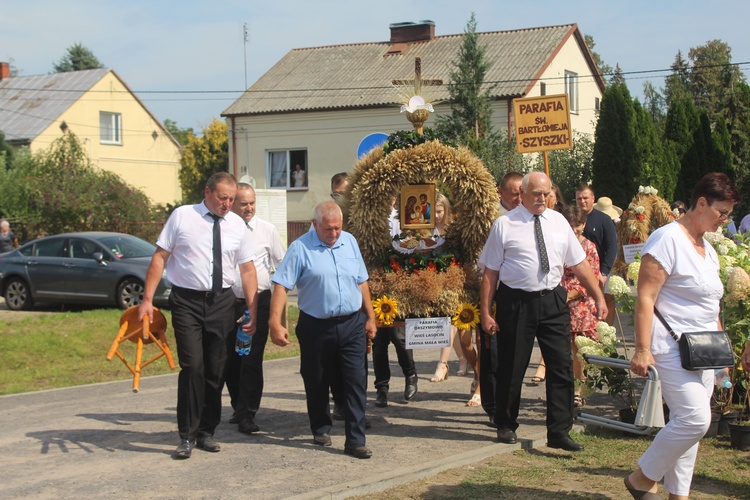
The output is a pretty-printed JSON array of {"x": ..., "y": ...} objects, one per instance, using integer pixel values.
[
  {"x": 657, "y": 167},
  {"x": 6, "y": 153},
  {"x": 615, "y": 168},
  {"x": 604, "y": 69},
  {"x": 181, "y": 135},
  {"x": 203, "y": 157},
  {"x": 471, "y": 108},
  {"x": 59, "y": 191},
  {"x": 77, "y": 58},
  {"x": 408, "y": 138},
  {"x": 569, "y": 168}
]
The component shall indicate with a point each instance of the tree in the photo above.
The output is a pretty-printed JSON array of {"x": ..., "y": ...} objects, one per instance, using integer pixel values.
[
  {"x": 471, "y": 108},
  {"x": 55, "y": 188},
  {"x": 657, "y": 166},
  {"x": 181, "y": 135},
  {"x": 202, "y": 157},
  {"x": 6, "y": 153},
  {"x": 77, "y": 58},
  {"x": 614, "y": 166},
  {"x": 617, "y": 76},
  {"x": 654, "y": 104},
  {"x": 712, "y": 76},
  {"x": 676, "y": 84},
  {"x": 604, "y": 69}
]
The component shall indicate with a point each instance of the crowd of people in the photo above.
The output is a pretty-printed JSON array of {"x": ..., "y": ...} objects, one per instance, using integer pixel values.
[{"x": 544, "y": 267}]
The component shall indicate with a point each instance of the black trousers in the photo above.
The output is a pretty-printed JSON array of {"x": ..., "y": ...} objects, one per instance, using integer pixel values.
[
  {"x": 380, "y": 363},
  {"x": 243, "y": 375},
  {"x": 522, "y": 316},
  {"x": 487, "y": 369},
  {"x": 328, "y": 346},
  {"x": 200, "y": 327}
]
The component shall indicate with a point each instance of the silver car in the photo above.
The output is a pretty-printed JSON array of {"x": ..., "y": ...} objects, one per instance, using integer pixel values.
[{"x": 96, "y": 268}]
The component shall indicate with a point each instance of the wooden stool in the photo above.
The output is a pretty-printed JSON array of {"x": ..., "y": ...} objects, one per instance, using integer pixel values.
[{"x": 141, "y": 333}]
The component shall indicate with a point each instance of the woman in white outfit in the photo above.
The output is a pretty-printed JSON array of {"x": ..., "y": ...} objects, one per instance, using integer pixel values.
[
  {"x": 680, "y": 277},
  {"x": 299, "y": 176}
]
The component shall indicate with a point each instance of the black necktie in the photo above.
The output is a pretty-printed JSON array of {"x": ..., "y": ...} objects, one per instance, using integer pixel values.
[
  {"x": 540, "y": 245},
  {"x": 218, "y": 280}
]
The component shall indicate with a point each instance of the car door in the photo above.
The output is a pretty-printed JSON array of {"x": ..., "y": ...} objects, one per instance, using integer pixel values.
[
  {"x": 86, "y": 280},
  {"x": 46, "y": 270}
]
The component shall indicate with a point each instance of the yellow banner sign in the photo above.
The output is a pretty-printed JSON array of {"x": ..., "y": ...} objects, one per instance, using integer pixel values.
[{"x": 542, "y": 123}]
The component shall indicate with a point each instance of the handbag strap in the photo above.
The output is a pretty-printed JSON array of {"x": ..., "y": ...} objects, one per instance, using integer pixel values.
[{"x": 666, "y": 325}]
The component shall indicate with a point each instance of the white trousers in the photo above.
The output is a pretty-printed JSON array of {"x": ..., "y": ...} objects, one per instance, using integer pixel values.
[{"x": 672, "y": 454}]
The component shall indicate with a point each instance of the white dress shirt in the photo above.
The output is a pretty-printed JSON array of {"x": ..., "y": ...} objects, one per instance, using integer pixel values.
[
  {"x": 188, "y": 236},
  {"x": 511, "y": 249},
  {"x": 269, "y": 253}
]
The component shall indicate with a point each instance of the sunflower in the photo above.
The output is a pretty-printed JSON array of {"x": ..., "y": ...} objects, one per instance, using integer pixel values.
[
  {"x": 386, "y": 309},
  {"x": 467, "y": 316}
]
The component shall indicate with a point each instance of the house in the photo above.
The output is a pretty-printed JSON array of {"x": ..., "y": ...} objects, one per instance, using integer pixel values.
[
  {"x": 119, "y": 133},
  {"x": 316, "y": 105}
]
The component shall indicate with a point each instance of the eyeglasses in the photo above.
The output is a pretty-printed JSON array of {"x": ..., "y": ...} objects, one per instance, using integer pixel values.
[
  {"x": 682, "y": 210},
  {"x": 336, "y": 196},
  {"x": 723, "y": 214}
]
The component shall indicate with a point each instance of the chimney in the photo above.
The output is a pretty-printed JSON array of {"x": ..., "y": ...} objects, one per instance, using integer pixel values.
[
  {"x": 412, "y": 32},
  {"x": 4, "y": 70}
]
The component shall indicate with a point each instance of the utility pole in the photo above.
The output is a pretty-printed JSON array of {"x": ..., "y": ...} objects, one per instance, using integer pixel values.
[{"x": 244, "y": 49}]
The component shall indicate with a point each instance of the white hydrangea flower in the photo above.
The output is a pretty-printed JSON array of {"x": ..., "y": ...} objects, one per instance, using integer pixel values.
[
  {"x": 722, "y": 249},
  {"x": 633, "y": 269},
  {"x": 641, "y": 189},
  {"x": 631, "y": 206},
  {"x": 618, "y": 286},
  {"x": 639, "y": 210}
]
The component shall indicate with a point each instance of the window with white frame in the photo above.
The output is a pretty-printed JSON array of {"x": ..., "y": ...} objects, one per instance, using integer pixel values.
[
  {"x": 110, "y": 127},
  {"x": 571, "y": 88},
  {"x": 287, "y": 169}
]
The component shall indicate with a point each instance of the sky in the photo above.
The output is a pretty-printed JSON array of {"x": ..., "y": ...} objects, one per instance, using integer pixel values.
[{"x": 187, "y": 60}]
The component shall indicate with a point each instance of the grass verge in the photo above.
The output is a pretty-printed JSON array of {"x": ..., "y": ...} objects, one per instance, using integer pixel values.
[
  {"x": 52, "y": 350},
  {"x": 596, "y": 473}
]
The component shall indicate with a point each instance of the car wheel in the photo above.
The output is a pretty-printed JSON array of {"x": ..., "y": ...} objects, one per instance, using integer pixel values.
[
  {"x": 129, "y": 293},
  {"x": 17, "y": 295}
]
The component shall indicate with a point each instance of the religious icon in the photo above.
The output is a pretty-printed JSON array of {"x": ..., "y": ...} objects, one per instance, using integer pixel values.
[{"x": 417, "y": 206}]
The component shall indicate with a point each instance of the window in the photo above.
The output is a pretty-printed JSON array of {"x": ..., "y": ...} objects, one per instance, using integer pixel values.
[
  {"x": 542, "y": 88},
  {"x": 571, "y": 88},
  {"x": 50, "y": 248},
  {"x": 597, "y": 103},
  {"x": 110, "y": 128},
  {"x": 287, "y": 169}
]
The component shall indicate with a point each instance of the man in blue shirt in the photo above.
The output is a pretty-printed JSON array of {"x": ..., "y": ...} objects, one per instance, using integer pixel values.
[{"x": 327, "y": 268}]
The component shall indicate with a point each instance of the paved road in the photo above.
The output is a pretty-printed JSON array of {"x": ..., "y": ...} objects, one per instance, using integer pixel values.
[{"x": 103, "y": 440}]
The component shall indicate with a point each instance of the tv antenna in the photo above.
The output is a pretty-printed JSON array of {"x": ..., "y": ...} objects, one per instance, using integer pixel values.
[{"x": 244, "y": 49}]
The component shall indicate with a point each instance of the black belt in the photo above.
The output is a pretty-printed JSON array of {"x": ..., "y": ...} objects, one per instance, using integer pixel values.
[
  {"x": 523, "y": 294},
  {"x": 198, "y": 293},
  {"x": 336, "y": 319}
]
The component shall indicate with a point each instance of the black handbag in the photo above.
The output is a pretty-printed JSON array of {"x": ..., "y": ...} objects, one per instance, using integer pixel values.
[{"x": 702, "y": 350}]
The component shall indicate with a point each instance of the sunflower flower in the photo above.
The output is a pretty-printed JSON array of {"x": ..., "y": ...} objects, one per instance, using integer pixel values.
[
  {"x": 386, "y": 309},
  {"x": 467, "y": 316}
]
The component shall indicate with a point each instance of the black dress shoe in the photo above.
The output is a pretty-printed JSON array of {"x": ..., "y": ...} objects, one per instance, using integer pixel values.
[
  {"x": 322, "y": 439},
  {"x": 338, "y": 412},
  {"x": 234, "y": 419},
  {"x": 185, "y": 449},
  {"x": 381, "y": 400},
  {"x": 247, "y": 426},
  {"x": 357, "y": 450},
  {"x": 507, "y": 436},
  {"x": 367, "y": 423},
  {"x": 564, "y": 443},
  {"x": 411, "y": 388},
  {"x": 491, "y": 422},
  {"x": 208, "y": 443}
]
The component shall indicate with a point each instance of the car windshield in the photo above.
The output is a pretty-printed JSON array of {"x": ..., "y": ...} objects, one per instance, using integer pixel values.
[{"x": 128, "y": 247}]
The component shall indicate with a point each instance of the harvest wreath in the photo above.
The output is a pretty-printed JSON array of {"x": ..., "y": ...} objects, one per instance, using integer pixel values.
[
  {"x": 646, "y": 213},
  {"x": 437, "y": 282}
]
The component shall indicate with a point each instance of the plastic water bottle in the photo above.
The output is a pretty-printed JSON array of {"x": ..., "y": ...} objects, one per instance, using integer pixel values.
[
  {"x": 244, "y": 341},
  {"x": 722, "y": 380}
]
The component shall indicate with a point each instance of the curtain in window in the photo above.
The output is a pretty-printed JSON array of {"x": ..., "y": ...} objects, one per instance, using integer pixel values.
[{"x": 278, "y": 169}]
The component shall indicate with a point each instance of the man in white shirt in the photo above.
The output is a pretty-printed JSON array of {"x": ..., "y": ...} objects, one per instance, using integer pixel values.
[
  {"x": 244, "y": 374},
  {"x": 201, "y": 246},
  {"x": 526, "y": 251}
]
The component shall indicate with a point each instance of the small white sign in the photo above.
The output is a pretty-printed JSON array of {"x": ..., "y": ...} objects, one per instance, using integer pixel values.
[
  {"x": 426, "y": 333},
  {"x": 630, "y": 251}
]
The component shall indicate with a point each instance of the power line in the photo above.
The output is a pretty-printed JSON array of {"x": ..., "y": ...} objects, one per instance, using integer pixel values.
[{"x": 670, "y": 70}]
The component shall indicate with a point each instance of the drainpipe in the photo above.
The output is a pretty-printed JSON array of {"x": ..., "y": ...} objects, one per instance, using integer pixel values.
[{"x": 234, "y": 148}]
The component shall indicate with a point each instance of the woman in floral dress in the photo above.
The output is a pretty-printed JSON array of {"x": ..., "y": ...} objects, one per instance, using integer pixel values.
[{"x": 582, "y": 316}]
